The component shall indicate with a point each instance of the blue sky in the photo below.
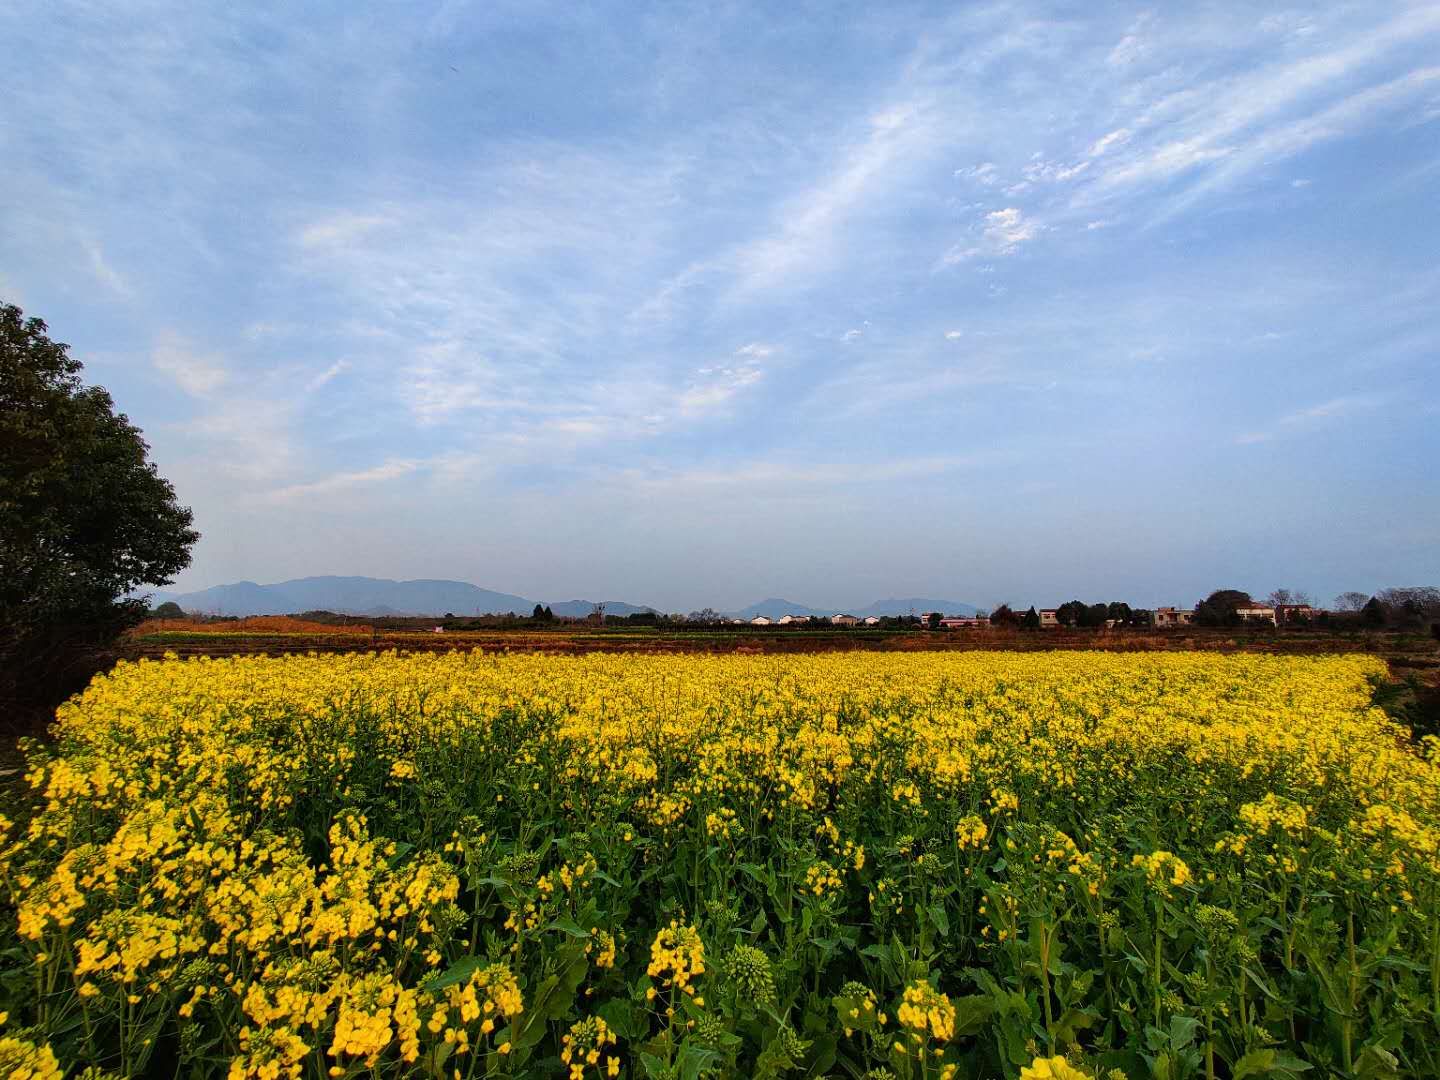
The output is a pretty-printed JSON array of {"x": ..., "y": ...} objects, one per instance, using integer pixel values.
[{"x": 693, "y": 304}]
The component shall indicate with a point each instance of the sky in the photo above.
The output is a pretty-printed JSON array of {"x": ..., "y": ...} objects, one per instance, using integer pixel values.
[{"x": 692, "y": 304}]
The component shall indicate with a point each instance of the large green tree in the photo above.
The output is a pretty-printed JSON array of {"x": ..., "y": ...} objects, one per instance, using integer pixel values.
[
  {"x": 1221, "y": 606},
  {"x": 85, "y": 518}
]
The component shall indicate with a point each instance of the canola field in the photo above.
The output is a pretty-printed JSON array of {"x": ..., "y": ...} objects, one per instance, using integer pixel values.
[{"x": 1064, "y": 865}]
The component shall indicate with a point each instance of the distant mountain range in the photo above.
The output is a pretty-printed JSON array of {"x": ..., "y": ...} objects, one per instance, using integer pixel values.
[
  {"x": 370, "y": 596},
  {"x": 381, "y": 596}
]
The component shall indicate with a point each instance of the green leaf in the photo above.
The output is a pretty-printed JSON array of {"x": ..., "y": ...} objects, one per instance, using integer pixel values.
[
  {"x": 694, "y": 1060},
  {"x": 1255, "y": 1063},
  {"x": 1377, "y": 1063},
  {"x": 939, "y": 918},
  {"x": 402, "y": 849},
  {"x": 1260, "y": 983},
  {"x": 1261, "y": 1062},
  {"x": 491, "y": 880},
  {"x": 851, "y": 1011},
  {"x": 457, "y": 972},
  {"x": 823, "y": 1051},
  {"x": 1182, "y": 1031},
  {"x": 568, "y": 926},
  {"x": 1290, "y": 1063},
  {"x": 972, "y": 1012},
  {"x": 1072, "y": 1022},
  {"x": 624, "y": 1019}
]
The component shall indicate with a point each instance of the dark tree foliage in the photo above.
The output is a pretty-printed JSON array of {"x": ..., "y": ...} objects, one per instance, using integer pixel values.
[
  {"x": 1220, "y": 608},
  {"x": 84, "y": 517},
  {"x": 1374, "y": 613},
  {"x": 1079, "y": 613},
  {"x": 168, "y": 610},
  {"x": 1004, "y": 616},
  {"x": 1413, "y": 606},
  {"x": 1030, "y": 620}
]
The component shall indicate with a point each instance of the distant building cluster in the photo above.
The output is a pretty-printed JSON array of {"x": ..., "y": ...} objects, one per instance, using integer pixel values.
[
  {"x": 1160, "y": 618},
  {"x": 838, "y": 619}
]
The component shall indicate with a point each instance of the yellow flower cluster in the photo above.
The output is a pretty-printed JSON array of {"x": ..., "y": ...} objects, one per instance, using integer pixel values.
[
  {"x": 21, "y": 1060},
  {"x": 568, "y": 877},
  {"x": 1274, "y": 812},
  {"x": 926, "y": 1010},
  {"x": 971, "y": 832},
  {"x": 821, "y": 879},
  {"x": 722, "y": 823},
  {"x": 1163, "y": 869},
  {"x": 585, "y": 1045},
  {"x": 1051, "y": 1068},
  {"x": 268, "y": 1054},
  {"x": 677, "y": 956}
]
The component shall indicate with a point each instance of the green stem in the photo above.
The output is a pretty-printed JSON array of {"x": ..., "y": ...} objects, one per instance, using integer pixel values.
[
  {"x": 1046, "y": 939},
  {"x": 1347, "y": 1025},
  {"x": 1435, "y": 961},
  {"x": 1159, "y": 913}
]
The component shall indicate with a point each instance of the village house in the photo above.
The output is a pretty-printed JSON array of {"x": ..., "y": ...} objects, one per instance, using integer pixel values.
[
  {"x": 1167, "y": 618},
  {"x": 1049, "y": 618},
  {"x": 872, "y": 620},
  {"x": 760, "y": 620},
  {"x": 1294, "y": 614},
  {"x": 957, "y": 622},
  {"x": 1257, "y": 614},
  {"x": 844, "y": 620},
  {"x": 787, "y": 620}
]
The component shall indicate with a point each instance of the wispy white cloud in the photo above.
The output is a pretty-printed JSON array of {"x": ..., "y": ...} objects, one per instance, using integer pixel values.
[
  {"x": 106, "y": 274},
  {"x": 339, "y": 367},
  {"x": 805, "y": 232},
  {"x": 1299, "y": 420},
  {"x": 198, "y": 374},
  {"x": 985, "y": 173},
  {"x": 346, "y": 481},
  {"x": 339, "y": 230},
  {"x": 1288, "y": 140},
  {"x": 1114, "y": 139},
  {"x": 1187, "y": 134},
  {"x": 774, "y": 477},
  {"x": 1133, "y": 46},
  {"x": 1001, "y": 233},
  {"x": 1251, "y": 115},
  {"x": 714, "y": 387}
]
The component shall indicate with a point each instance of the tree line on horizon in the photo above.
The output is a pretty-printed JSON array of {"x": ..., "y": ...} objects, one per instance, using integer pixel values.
[{"x": 1394, "y": 608}]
